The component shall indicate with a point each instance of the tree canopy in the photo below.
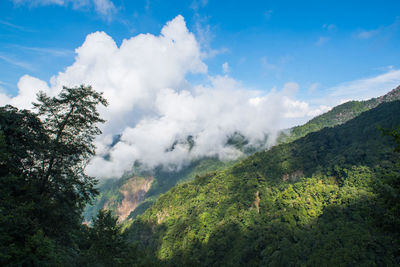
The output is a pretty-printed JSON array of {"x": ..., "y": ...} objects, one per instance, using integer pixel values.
[{"x": 43, "y": 184}]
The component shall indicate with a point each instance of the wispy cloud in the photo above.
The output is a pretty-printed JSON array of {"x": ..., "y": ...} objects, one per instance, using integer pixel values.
[
  {"x": 330, "y": 27},
  {"x": 205, "y": 36},
  {"x": 267, "y": 65},
  {"x": 276, "y": 67},
  {"x": 196, "y": 4},
  {"x": 104, "y": 8},
  {"x": 56, "y": 52},
  {"x": 268, "y": 14},
  {"x": 365, "y": 88},
  {"x": 14, "y": 26},
  {"x": 313, "y": 87},
  {"x": 367, "y": 34},
  {"x": 16, "y": 62},
  {"x": 322, "y": 40},
  {"x": 225, "y": 67},
  {"x": 385, "y": 30}
]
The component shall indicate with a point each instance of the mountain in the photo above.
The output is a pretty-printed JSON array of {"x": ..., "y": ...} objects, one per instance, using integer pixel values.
[
  {"x": 136, "y": 191},
  {"x": 132, "y": 194},
  {"x": 338, "y": 115},
  {"x": 329, "y": 198}
]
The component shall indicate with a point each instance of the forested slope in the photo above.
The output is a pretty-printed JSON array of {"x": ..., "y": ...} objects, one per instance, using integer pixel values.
[
  {"x": 111, "y": 195},
  {"x": 112, "y": 192},
  {"x": 330, "y": 198},
  {"x": 338, "y": 115}
]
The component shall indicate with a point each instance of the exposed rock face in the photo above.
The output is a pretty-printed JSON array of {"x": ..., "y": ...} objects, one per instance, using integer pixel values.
[
  {"x": 292, "y": 176},
  {"x": 257, "y": 201},
  {"x": 134, "y": 191}
]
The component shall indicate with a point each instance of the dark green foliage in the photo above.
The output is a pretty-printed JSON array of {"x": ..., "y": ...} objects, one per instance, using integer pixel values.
[
  {"x": 164, "y": 180},
  {"x": 338, "y": 115},
  {"x": 106, "y": 246},
  {"x": 320, "y": 200},
  {"x": 43, "y": 187}
]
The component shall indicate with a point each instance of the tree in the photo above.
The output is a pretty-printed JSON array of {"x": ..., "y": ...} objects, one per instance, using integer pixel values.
[
  {"x": 107, "y": 246},
  {"x": 43, "y": 186},
  {"x": 70, "y": 122}
]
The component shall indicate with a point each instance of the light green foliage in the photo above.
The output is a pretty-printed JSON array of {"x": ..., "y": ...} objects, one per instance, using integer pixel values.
[
  {"x": 164, "y": 180},
  {"x": 320, "y": 203}
]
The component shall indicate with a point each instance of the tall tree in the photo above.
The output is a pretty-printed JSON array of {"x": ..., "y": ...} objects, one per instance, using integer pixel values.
[{"x": 43, "y": 184}]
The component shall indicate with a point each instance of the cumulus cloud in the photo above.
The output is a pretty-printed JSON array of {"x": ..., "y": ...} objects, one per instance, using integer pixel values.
[{"x": 163, "y": 119}]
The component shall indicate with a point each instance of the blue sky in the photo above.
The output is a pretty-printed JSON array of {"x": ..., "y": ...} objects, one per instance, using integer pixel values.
[
  {"x": 317, "y": 44},
  {"x": 206, "y": 69}
]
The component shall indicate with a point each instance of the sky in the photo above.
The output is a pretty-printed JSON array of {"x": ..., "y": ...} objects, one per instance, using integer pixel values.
[{"x": 207, "y": 69}]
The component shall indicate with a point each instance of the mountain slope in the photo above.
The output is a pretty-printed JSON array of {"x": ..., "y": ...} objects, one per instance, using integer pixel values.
[
  {"x": 316, "y": 201},
  {"x": 338, "y": 115},
  {"x": 145, "y": 187},
  {"x": 114, "y": 197}
]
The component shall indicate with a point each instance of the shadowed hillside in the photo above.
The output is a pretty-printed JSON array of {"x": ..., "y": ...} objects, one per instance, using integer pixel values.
[
  {"x": 338, "y": 115},
  {"x": 317, "y": 201}
]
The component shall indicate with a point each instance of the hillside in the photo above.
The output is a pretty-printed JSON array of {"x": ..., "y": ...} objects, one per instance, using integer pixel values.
[
  {"x": 132, "y": 194},
  {"x": 338, "y": 115},
  {"x": 146, "y": 187},
  {"x": 327, "y": 199}
]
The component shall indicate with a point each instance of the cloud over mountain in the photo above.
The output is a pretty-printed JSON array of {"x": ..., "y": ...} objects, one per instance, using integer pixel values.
[{"x": 156, "y": 109}]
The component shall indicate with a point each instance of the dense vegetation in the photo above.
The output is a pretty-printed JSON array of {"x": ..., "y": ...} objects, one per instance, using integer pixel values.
[
  {"x": 110, "y": 195},
  {"x": 43, "y": 187},
  {"x": 330, "y": 198},
  {"x": 338, "y": 115}
]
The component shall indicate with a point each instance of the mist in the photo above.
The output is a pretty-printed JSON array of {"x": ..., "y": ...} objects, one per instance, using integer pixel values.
[{"x": 161, "y": 116}]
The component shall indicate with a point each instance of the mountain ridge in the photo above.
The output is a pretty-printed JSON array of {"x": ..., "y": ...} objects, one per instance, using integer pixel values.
[
  {"x": 112, "y": 196},
  {"x": 250, "y": 214},
  {"x": 337, "y": 115}
]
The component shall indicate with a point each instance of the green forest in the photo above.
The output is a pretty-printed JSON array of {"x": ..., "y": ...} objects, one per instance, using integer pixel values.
[{"x": 329, "y": 197}]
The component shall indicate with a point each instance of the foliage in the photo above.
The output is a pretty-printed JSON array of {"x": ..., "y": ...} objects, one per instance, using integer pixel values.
[
  {"x": 110, "y": 196},
  {"x": 338, "y": 115},
  {"x": 43, "y": 184},
  {"x": 106, "y": 246},
  {"x": 317, "y": 201}
]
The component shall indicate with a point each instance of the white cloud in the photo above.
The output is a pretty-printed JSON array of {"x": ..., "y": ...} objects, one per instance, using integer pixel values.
[
  {"x": 196, "y": 4},
  {"x": 322, "y": 40},
  {"x": 367, "y": 34},
  {"x": 225, "y": 67},
  {"x": 366, "y": 88},
  {"x": 16, "y": 62},
  {"x": 329, "y": 27},
  {"x": 313, "y": 87},
  {"x": 156, "y": 108},
  {"x": 387, "y": 31},
  {"x": 268, "y": 14},
  {"x": 266, "y": 65},
  {"x": 105, "y": 8},
  {"x": 46, "y": 50}
]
